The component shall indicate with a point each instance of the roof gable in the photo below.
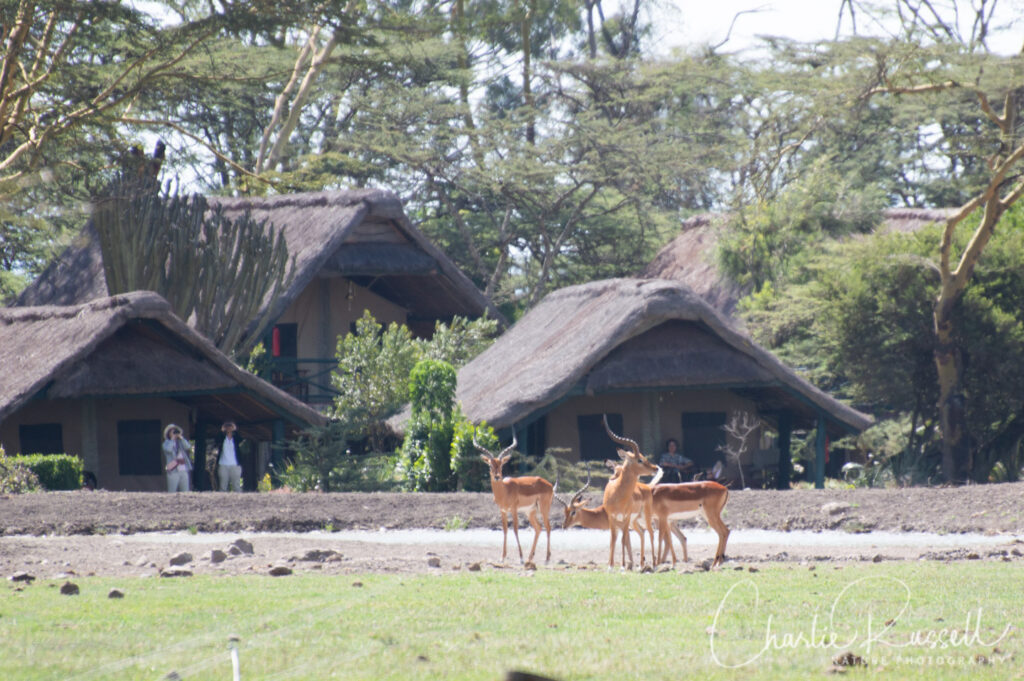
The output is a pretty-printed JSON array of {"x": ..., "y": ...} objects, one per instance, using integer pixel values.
[
  {"x": 130, "y": 344},
  {"x": 319, "y": 229},
  {"x": 588, "y": 335}
]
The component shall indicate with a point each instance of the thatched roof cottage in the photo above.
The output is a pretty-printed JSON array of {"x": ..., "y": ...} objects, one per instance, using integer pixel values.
[
  {"x": 653, "y": 356},
  {"x": 354, "y": 250},
  {"x": 102, "y": 380}
]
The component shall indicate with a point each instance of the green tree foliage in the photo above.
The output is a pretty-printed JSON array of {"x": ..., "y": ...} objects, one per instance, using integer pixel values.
[
  {"x": 763, "y": 241},
  {"x": 858, "y": 319},
  {"x": 318, "y": 459},
  {"x": 375, "y": 363},
  {"x": 427, "y": 450},
  {"x": 472, "y": 473},
  {"x": 372, "y": 378},
  {"x": 214, "y": 271}
]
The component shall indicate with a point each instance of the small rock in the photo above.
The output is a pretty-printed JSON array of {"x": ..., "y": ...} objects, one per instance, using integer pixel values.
[
  {"x": 320, "y": 556},
  {"x": 243, "y": 546},
  {"x": 69, "y": 589},
  {"x": 752, "y": 569},
  {"x": 835, "y": 508},
  {"x": 141, "y": 561},
  {"x": 234, "y": 551},
  {"x": 357, "y": 585},
  {"x": 279, "y": 571},
  {"x": 973, "y": 556},
  {"x": 877, "y": 558},
  {"x": 218, "y": 556},
  {"x": 474, "y": 567},
  {"x": 22, "y": 577},
  {"x": 664, "y": 567},
  {"x": 183, "y": 558},
  {"x": 115, "y": 593},
  {"x": 434, "y": 562},
  {"x": 175, "y": 572},
  {"x": 529, "y": 565}
]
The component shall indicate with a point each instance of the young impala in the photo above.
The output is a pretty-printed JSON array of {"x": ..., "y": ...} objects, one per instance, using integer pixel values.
[{"x": 512, "y": 494}]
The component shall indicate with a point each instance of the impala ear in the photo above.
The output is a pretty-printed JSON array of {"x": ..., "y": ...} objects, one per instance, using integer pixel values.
[
  {"x": 485, "y": 459},
  {"x": 505, "y": 459},
  {"x": 623, "y": 454}
]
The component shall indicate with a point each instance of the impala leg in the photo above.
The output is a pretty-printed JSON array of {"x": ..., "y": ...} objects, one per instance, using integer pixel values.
[
  {"x": 536, "y": 531},
  {"x": 650, "y": 532},
  {"x": 664, "y": 531},
  {"x": 515, "y": 530},
  {"x": 546, "y": 515},
  {"x": 626, "y": 542},
  {"x": 723, "y": 536},
  {"x": 504, "y": 534},
  {"x": 611, "y": 551},
  {"x": 682, "y": 540}
]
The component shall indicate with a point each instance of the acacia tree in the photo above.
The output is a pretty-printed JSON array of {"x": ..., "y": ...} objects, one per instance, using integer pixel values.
[{"x": 912, "y": 71}]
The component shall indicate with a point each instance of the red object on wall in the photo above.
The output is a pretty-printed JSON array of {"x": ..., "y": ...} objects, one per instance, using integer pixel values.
[{"x": 275, "y": 343}]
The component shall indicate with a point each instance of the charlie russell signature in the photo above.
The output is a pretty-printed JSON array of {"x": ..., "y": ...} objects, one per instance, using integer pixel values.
[{"x": 863, "y": 614}]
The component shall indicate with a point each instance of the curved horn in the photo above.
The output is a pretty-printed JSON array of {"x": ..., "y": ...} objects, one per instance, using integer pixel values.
[
  {"x": 620, "y": 439},
  {"x": 482, "y": 448}
]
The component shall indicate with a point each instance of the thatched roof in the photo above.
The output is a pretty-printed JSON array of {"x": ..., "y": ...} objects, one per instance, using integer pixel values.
[
  {"x": 690, "y": 257},
  {"x": 132, "y": 345},
  {"x": 623, "y": 334},
  {"x": 362, "y": 234}
]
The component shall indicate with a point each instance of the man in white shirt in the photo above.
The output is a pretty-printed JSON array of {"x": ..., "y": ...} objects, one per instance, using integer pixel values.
[{"x": 229, "y": 472}]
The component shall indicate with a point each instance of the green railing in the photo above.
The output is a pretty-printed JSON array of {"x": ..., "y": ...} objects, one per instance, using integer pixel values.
[{"x": 306, "y": 378}]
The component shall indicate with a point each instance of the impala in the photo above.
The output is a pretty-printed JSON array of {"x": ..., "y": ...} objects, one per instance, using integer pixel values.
[
  {"x": 686, "y": 500},
  {"x": 597, "y": 518},
  {"x": 618, "y": 493},
  {"x": 512, "y": 494}
]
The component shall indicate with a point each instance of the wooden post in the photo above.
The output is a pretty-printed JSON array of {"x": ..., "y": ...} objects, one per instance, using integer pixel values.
[
  {"x": 650, "y": 431},
  {"x": 819, "y": 460},
  {"x": 785, "y": 456},
  {"x": 277, "y": 447},
  {"x": 90, "y": 451}
]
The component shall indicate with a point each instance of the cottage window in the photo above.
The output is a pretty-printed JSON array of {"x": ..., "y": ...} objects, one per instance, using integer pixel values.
[
  {"x": 138, "y": 447},
  {"x": 41, "y": 438},
  {"x": 595, "y": 445},
  {"x": 703, "y": 434}
]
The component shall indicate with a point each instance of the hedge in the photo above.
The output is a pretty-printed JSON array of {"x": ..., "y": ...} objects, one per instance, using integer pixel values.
[{"x": 55, "y": 471}]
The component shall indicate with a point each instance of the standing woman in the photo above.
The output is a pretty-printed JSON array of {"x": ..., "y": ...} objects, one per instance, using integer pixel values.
[{"x": 177, "y": 451}]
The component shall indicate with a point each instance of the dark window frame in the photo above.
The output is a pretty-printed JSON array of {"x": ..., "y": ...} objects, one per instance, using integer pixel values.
[
  {"x": 595, "y": 445},
  {"x": 42, "y": 438},
  {"x": 139, "y": 447}
]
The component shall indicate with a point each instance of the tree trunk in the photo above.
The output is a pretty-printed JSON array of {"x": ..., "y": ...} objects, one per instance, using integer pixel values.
[{"x": 952, "y": 401}]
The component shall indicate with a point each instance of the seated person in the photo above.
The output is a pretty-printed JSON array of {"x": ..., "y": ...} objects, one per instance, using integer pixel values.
[{"x": 673, "y": 463}]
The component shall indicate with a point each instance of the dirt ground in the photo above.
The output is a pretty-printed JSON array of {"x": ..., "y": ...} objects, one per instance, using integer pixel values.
[{"x": 62, "y": 534}]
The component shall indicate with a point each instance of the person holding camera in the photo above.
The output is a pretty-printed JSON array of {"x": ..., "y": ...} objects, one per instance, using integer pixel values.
[
  {"x": 229, "y": 471},
  {"x": 177, "y": 456}
]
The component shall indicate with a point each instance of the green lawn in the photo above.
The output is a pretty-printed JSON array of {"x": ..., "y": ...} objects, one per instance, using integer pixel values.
[{"x": 946, "y": 621}]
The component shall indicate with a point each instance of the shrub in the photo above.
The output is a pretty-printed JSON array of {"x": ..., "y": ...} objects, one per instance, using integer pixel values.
[
  {"x": 472, "y": 473},
  {"x": 54, "y": 471},
  {"x": 427, "y": 451},
  {"x": 16, "y": 478}
]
